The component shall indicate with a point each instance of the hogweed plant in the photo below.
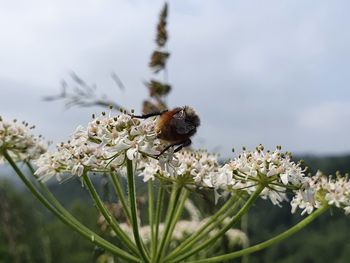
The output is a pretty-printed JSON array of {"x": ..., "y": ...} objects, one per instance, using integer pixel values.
[{"x": 125, "y": 148}]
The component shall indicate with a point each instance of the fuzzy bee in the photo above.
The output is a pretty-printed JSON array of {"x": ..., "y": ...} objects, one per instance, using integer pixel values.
[{"x": 175, "y": 126}]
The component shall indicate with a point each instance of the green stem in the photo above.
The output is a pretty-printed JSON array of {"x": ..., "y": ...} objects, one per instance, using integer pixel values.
[
  {"x": 175, "y": 194},
  {"x": 244, "y": 228},
  {"x": 82, "y": 230},
  {"x": 170, "y": 206},
  {"x": 207, "y": 227},
  {"x": 215, "y": 225},
  {"x": 269, "y": 242},
  {"x": 120, "y": 193},
  {"x": 106, "y": 214},
  {"x": 150, "y": 214},
  {"x": 58, "y": 205},
  {"x": 159, "y": 208},
  {"x": 178, "y": 213},
  {"x": 54, "y": 201},
  {"x": 219, "y": 234},
  {"x": 133, "y": 210}
]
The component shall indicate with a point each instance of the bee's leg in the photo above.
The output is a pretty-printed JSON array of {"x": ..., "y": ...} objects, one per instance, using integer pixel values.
[
  {"x": 145, "y": 116},
  {"x": 183, "y": 144},
  {"x": 165, "y": 149}
]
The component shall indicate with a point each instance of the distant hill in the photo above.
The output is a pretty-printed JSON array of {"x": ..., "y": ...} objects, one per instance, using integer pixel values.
[{"x": 327, "y": 164}]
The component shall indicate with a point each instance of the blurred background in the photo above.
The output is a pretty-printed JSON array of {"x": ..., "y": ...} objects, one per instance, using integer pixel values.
[{"x": 270, "y": 72}]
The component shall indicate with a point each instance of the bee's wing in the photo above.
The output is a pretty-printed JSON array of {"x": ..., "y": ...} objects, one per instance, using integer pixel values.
[{"x": 181, "y": 126}]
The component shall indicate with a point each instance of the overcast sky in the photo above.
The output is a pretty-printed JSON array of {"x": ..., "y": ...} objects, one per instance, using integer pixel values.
[{"x": 271, "y": 72}]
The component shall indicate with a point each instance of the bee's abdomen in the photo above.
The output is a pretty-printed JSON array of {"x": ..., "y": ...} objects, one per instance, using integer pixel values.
[{"x": 165, "y": 130}]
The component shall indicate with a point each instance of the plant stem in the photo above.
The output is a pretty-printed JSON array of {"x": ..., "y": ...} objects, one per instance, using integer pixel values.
[
  {"x": 215, "y": 225},
  {"x": 106, "y": 214},
  {"x": 178, "y": 213},
  {"x": 206, "y": 228},
  {"x": 120, "y": 193},
  {"x": 244, "y": 228},
  {"x": 55, "y": 202},
  {"x": 133, "y": 209},
  {"x": 238, "y": 216},
  {"x": 82, "y": 230},
  {"x": 175, "y": 194},
  {"x": 150, "y": 213},
  {"x": 159, "y": 208},
  {"x": 269, "y": 242}
]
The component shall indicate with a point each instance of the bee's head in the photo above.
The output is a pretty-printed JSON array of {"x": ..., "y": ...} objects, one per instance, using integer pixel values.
[{"x": 191, "y": 116}]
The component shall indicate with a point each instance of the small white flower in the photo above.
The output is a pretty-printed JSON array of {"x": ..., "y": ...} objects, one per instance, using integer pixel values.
[
  {"x": 19, "y": 141},
  {"x": 101, "y": 146},
  {"x": 322, "y": 189},
  {"x": 284, "y": 178},
  {"x": 252, "y": 168}
]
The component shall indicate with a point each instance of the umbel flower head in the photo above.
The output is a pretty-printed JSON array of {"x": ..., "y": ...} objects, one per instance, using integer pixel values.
[
  {"x": 187, "y": 167},
  {"x": 17, "y": 139},
  {"x": 319, "y": 190},
  {"x": 107, "y": 141},
  {"x": 273, "y": 169},
  {"x": 102, "y": 146}
]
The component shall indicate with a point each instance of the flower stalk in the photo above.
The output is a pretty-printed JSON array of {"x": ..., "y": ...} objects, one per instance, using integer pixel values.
[
  {"x": 222, "y": 231},
  {"x": 133, "y": 210},
  {"x": 74, "y": 224},
  {"x": 106, "y": 214},
  {"x": 178, "y": 212},
  {"x": 159, "y": 209},
  {"x": 205, "y": 229},
  {"x": 299, "y": 226},
  {"x": 120, "y": 193},
  {"x": 151, "y": 215},
  {"x": 175, "y": 194}
]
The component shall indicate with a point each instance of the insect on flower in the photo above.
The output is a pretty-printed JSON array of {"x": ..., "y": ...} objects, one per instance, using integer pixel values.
[{"x": 175, "y": 126}]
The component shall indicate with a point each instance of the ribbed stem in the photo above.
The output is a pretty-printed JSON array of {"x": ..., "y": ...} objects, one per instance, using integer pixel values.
[
  {"x": 175, "y": 194},
  {"x": 133, "y": 210},
  {"x": 106, "y": 214},
  {"x": 219, "y": 234},
  {"x": 159, "y": 208},
  {"x": 151, "y": 214},
  {"x": 120, "y": 193},
  {"x": 85, "y": 232},
  {"x": 206, "y": 228},
  {"x": 175, "y": 219},
  {"x": 269, "y": 242}
]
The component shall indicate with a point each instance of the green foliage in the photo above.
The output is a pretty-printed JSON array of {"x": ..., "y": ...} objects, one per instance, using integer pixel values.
[
  {"x": 325, "y": 240},
  {"x": 328, "y": 164},
  {"x": 29, "y": 234},
  {"x": 20, "y": 231}
]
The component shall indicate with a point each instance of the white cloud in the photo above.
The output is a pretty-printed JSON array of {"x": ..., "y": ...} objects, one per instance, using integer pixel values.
[{"x": 331, "y": 117}]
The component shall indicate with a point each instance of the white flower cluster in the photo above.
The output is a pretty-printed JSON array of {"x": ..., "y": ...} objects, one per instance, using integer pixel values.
[
  {"x": 275, "y": 170},
  {"x": 107, "y": 141},
  {"x": 102, "y": 146},
  {"x": 19, "y": 141},
  {"x": 320, "y": 189},
  {"x": 191, "y": 167}
]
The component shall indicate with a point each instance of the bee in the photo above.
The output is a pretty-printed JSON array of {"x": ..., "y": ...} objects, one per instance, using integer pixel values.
[{"x": 175, "y": 126}]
